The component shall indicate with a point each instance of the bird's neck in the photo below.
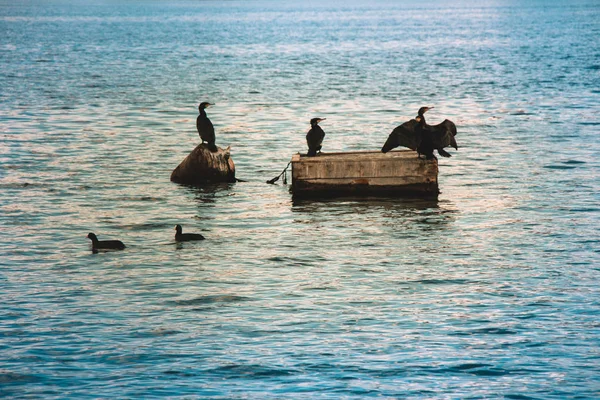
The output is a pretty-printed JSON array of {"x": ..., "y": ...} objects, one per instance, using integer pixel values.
[{"x": 202, "y": 112}]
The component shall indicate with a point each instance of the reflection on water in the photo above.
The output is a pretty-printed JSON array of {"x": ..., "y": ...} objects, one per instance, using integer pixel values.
[
  {"x": 419, "y": 213},
  {"x": 362, "y": 204},
  {"x": 209, "y": 193}
]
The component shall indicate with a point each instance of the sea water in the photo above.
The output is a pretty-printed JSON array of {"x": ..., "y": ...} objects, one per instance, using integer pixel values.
[{"x": 489, "y": 292}]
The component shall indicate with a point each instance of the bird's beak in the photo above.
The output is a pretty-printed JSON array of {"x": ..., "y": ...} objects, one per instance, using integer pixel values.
[
  {"x": 322, "y": 119},
  {"x": 429, "y": 108}
]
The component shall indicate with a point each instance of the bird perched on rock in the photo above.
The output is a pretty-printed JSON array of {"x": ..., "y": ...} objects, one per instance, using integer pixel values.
[
  {"x": 205, "y": 127},
  {"x": 417, "y": 135},
  {"x": 104, "y": 244},
  {"x": 314, "y": 137},
  {"x": 186, "y": 237}
]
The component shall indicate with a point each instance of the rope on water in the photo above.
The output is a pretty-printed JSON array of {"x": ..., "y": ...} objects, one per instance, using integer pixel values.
[{"x": 283, "y": 173}]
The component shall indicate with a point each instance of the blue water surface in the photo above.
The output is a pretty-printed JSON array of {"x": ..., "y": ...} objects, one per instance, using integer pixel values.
[{"x": 489, "y": 292}]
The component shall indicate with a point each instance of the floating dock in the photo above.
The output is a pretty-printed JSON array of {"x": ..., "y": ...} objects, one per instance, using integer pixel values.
[{"x": 396, "y": 173}]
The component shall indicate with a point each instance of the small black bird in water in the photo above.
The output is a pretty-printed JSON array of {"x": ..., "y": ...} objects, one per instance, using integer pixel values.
[
  {"x": 104, "y": 244},
  {"x": 314, "y": 137},
  {"x": 186, "y": 237},
  {"x": 205, "y": 128},
  {"x": 417, "y": 135}
]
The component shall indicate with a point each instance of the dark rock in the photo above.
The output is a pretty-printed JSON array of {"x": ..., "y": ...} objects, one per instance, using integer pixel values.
[{"x": 204, "y": 166}]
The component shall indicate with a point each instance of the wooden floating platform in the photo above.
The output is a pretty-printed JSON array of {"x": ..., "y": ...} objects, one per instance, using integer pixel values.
[{"x": 396, "y": 173}]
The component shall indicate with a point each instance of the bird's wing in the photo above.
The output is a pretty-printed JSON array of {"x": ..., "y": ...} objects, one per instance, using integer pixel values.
[
  {"x": 211, "y": 129},
  {"x": 321, "y": 135},
  {"x": 314, "y": 137},
  {"x": 205, "y": 129},
  {"x": 408, "y": 134},
  {"x": 443, "y": 135}
]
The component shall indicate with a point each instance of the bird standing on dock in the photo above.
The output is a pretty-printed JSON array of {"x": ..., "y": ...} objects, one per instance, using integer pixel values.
[
  {"x": 205, "y": 127},
  {"x": 314, "y": 137},
  {"x": 417, "y": 135},
  {"x": 104, "y": 244},
  {"x": 186, "y": 237}
]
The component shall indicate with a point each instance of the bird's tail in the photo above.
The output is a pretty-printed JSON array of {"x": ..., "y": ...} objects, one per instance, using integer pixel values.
[
  {"x": 212, "y": 147},
  {"x": 311, "y": 152}
]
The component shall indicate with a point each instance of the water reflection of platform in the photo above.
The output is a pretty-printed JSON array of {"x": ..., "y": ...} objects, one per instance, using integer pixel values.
[{"x": 398, "y": 173}]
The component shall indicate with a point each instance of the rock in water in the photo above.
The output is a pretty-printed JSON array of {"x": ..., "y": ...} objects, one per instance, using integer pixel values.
[{"x": 205, "y": 166}]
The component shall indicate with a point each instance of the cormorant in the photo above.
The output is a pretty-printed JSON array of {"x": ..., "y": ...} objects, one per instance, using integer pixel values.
[
  {"x": 314, "y": 137},
  {"x": 104, "y": 244},
  {"x": 417, "y": 135},
  {"x": 205, "y": 127},
  {"x": 186, "y": 237}
]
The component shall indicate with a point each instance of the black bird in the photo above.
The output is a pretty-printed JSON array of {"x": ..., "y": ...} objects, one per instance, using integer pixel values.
[
  {"x": 435, "y": 137},
  {"x": 417, "y": 135},
  {"x": 314, "y": 137},
  {"x": 186, "y": 237},
  {"x": 104, "y": 244},
  {"x": 205, "y": 128}
]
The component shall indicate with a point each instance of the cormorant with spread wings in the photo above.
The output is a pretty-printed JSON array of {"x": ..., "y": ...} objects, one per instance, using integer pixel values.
[{"x": 417, "y": 135}]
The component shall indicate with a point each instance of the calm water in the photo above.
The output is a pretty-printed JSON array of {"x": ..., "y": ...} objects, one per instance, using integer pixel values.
[{"x": 490, "y": 292}]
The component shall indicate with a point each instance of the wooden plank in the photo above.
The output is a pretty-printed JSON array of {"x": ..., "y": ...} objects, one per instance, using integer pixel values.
[{"x": 371, "y": 173}]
